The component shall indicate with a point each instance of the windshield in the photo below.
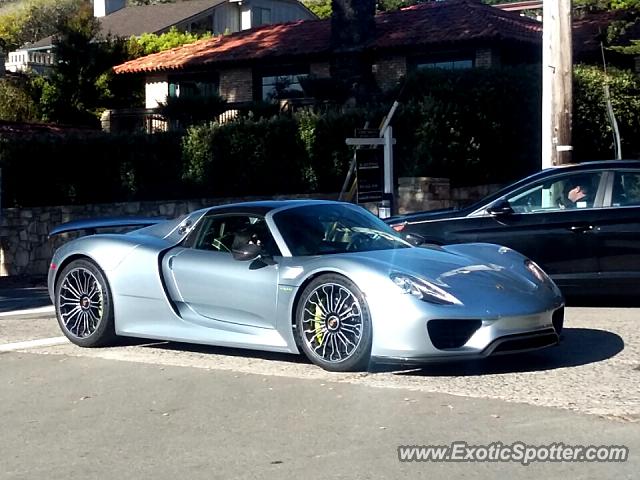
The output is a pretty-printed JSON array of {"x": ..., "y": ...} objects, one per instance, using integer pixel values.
[{"x": 331, "y": 228}]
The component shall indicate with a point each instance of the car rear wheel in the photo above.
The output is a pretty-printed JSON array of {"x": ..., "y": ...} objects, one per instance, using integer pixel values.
[
  {"x": 83, "y": 305},
  {"x": 333, "y": 324}
]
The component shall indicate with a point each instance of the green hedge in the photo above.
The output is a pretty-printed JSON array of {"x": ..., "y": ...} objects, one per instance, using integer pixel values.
[
  {"x": 472, "y": 126},
  {"x": 246, "y": 157},
  {"x": 81, "y": 168}
]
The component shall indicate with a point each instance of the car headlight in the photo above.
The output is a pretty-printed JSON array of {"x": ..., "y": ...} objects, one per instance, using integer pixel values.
[
  {"x": 423, "y": 289},
  {"x": 536, "y": 271}
]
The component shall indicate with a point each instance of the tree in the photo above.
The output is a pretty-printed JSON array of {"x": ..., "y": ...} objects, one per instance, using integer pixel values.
[
  {"x": 16, "y": 105},
  {"x": 81, "y": 83},
  {"x": 33, "y": 20},
  {"x": 607, "y": 4},
  {"x": 621, "y": 35},
  {"x": 322, "y": 8},
  {"x": 149, "y": 43}
]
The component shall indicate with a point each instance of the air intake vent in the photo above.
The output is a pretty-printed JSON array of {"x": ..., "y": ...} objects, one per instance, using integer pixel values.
[{"x": 451, "y": 333}]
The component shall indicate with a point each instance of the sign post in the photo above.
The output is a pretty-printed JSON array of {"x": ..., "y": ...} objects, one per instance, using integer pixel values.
[{"x": 374, "y": 166}]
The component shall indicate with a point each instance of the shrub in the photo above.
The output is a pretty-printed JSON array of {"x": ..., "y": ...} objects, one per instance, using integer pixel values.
[
  {"x": 473, "y": 126},
  {"x": 88, "y": 167},
  {"x": 592, "y": 132},
  {"x": 247, "y": 157},
  {"x": 323, "y": 136},
  {"x": 16, "y": 105}
]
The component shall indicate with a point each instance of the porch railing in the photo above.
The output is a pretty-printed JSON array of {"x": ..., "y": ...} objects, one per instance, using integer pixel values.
[{"x": 150, "y": 120}]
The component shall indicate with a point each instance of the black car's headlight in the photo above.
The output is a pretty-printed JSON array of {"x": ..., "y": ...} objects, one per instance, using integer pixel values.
[{"x": 423, "y": 289}]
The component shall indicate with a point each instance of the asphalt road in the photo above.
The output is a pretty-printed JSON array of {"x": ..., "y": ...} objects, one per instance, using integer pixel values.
[
  {"x": 19, "y": 298},
  {"x": 170, "y": 410}
]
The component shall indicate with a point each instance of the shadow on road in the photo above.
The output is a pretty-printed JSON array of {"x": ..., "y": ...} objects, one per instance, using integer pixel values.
[
  {"x": 579, "y": 346},
  {"x": 12, "y": 299},
  {"x": 604, "y": 301},
  {"x": 215, "y": 350}
]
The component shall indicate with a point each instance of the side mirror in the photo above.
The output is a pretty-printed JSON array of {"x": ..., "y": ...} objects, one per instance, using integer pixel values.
[
  {"x": 247, "y": 252},
  {"x": 500, "y": 207},
  {"x": 415, "y": 239}
]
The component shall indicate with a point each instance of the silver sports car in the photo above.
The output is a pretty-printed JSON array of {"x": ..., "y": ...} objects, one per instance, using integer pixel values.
[{"x": 324, "y": 278}]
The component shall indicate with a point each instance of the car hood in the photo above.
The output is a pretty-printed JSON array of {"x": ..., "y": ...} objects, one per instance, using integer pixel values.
[{"x": 457, "y": 267}]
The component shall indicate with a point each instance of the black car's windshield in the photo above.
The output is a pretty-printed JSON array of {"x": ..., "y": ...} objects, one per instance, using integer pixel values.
[{"x": 330, "y": 228}]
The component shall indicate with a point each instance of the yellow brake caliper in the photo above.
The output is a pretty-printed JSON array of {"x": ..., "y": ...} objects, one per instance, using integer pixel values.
[{"x": 317, "y": 323}]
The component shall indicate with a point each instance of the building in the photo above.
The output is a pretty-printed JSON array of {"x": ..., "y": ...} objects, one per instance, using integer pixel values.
[
  {"x": 36, "y": 57},
  {"x": 247, "y": 66},
  {"x": 197, "y": 16}
]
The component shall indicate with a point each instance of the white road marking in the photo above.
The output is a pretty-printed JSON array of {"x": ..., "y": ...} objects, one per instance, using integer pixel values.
[
  {"x": 29, "y": 311},
  {"x": 41, "y": 342}
]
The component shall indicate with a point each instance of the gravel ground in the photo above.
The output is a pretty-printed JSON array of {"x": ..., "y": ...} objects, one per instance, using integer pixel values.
[{"x": 596, "y": 369}]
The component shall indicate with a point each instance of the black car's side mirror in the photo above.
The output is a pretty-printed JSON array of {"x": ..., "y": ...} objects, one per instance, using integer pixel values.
[
  {"x": 500, "y": 207},
  {"x": 247, "y": 252},
  {"x": 415, "y": 239}
]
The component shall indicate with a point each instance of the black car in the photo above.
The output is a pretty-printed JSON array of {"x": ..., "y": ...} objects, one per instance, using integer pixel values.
[{"x": 580, "y": 223}]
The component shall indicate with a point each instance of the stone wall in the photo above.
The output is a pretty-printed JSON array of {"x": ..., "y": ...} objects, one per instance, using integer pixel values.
[{"x": 427, "y": 193}]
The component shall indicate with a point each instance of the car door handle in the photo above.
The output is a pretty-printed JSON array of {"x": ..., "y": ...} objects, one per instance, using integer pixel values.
[
  {"x": 581, "y": 228},
  {"x": 170, "y": 263}
]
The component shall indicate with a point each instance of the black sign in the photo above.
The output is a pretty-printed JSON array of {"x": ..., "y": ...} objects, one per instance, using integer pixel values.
[
  {"x": 370, "y": 174},
  {"x": 367, "y": 133}
]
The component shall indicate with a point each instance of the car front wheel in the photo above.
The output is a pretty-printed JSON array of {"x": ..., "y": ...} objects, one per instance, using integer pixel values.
[{"x": 333, "y": 324}]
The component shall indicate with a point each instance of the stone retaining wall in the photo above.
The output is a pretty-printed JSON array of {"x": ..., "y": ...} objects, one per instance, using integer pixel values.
[
  {"x": 25, "y": 248},
  {"x": 428, "y": 193}
]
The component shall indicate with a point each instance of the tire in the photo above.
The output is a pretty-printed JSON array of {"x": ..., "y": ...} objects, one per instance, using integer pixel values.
[
  {"x": 333, "y": 324},
  {"x": 83, "y": 305}
]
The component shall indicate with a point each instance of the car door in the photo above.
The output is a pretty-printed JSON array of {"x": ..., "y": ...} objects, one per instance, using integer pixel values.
[
  {"x": 208, "y": 285},
  {"x": 540, "y": 222},
  {"x": 619, "y": 233}
]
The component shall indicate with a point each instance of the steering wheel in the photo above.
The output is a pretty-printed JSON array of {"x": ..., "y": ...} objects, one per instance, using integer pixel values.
[
  {"x": 221, "y": 247},
  {"x": 357, "y": 241}
]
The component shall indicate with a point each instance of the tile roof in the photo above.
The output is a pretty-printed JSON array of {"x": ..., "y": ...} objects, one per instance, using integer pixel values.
[
  {"x": 137, "y": 20},
  {"x": 425, "y": 24}
]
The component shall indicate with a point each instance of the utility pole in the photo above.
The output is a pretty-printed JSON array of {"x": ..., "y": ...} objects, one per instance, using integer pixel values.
[{"x": 557, "y": 77}]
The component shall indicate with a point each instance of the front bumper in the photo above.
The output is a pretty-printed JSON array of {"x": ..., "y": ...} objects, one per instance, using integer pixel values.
[
  {"x": 404, "y": 333},
  {"x": 509, "y": 344}
]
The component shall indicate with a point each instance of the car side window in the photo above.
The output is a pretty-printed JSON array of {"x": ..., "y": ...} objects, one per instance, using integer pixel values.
[
  {"x": 564, "y": 192},
  {"x": 626, "y": 189},
  {"x": 222, "y": 233}
]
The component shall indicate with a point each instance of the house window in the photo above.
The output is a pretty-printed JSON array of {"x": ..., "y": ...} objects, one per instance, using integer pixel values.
[
  {"x": 260, "y": 16},
  {"x": 446, "y": 64},
  {"x": 202, "y": 25},
  {"x": 194, "y": 86},
  {"x": 276, "y": 87}
]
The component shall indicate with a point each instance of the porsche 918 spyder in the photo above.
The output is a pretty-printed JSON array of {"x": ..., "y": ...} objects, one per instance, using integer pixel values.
[{"x": 327, "y": 279}]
